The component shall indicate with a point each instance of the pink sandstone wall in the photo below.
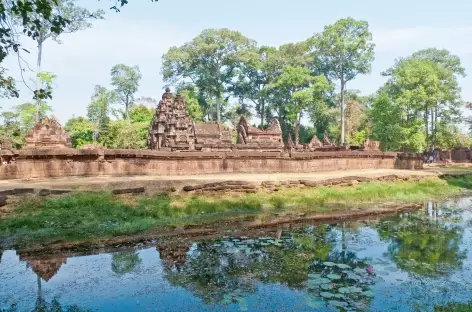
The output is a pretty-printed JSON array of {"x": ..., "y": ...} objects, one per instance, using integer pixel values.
[{"x": 37, "y": 163}]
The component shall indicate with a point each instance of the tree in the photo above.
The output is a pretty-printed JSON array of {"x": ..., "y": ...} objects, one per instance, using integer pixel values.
[
  {"x": 77, "y": 18},
  {"x": 44, "y": 91},
  {"x": 343, "y": 50},
  {"x": 81, "y": 131},
  {"x": 293, "y": 92},
  {"x": 123, "y": 134},
  {"x": 32, "y": 14},
  {"x": 209, "y": 61},
  {"x": 125, "y": 79},
  {"x": 256, "y": 72},
  {"x": 392, "y": 129},
  {"x": 125, "y": 262},
  {"x": 15, "y": 124},
  {"x": 426, "y": 91},
  {"x": 28, "y": 112},
  {"x": 98, "y": 111},
  {"x": 444, "y": 102}
]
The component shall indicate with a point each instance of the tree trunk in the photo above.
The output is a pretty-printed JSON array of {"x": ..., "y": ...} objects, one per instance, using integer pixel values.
[
  {"x": 127, "y": 107},
  {"x": 433, "y": 127},
  {"x": 38, "y": 70},
  {"x": 218, "y": 119},
  {"x": 262, "y": 114},
  {"x": 342, "y": 111},
  {"x": 426, "y": 122}
]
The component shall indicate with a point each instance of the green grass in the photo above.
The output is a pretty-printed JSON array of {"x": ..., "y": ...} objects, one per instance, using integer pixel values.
[{"x": 83, "y": 216}]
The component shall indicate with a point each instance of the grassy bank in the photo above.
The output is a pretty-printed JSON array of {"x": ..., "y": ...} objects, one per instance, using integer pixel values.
[{"x": 83, "y": 216}]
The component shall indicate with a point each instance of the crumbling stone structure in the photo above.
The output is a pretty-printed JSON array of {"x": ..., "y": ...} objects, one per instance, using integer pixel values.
[
  {"x": 173, "y": 130},
  {"x": 250, "y": 137},
  {"x": 370, "y": 145},
  {"x": 47, "y": 133}
]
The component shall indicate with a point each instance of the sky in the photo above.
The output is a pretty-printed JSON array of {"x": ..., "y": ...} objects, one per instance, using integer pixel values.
[{"x": 143, "y": 31}]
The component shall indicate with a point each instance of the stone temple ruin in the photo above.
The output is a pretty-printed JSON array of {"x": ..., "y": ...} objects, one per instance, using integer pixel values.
[
  {"x": 48, "y": 133},
  {"x": 250, "y": 137},
  {"x": 177, "y": 145},
  {"x": 173, "y": 130}
]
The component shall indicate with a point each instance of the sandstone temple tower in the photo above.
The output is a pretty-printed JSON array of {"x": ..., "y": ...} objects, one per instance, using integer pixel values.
[
  {"x": 172, "y": 129},
  {"x": 47, "y": 133}
]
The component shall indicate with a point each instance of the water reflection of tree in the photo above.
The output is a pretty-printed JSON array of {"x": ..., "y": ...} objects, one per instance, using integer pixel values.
[
  {"x": 125, "y": 262},
  {"x": 424, "y": 242},
  {"x": 454, "y": 307},
  {"x": 217, "y": 271}
]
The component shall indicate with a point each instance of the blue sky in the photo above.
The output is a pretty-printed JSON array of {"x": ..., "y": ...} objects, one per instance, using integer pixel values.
[{"x": 143, "y": 31}]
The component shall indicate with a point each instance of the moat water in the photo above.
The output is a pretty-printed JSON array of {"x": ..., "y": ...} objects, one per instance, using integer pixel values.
[{"x": 415, "y": 261}]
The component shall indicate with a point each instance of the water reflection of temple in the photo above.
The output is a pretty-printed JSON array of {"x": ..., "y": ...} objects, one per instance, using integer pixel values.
[
  {"x": 173, "y": 253},
  {"x": 45, "y": 268}
]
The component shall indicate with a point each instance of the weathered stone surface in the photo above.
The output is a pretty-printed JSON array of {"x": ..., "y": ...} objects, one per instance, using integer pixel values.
[
  {"x": 47, "y": 133},
  {"x": 3, "y": 200},
  {"x": 46, "y": 192},
  {"x": 258, "y": 139},
  {"x": 20, "y": 191},
  {"x": 370, "y": 145},
  {"x": 234, "y": 186},
  {"x": 172, "y": 129},
  {"x": 134, "y": 190},
  {"x": 65, "y": 162}
]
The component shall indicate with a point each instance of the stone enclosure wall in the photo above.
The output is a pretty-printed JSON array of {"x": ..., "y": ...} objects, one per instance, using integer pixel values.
[{"x": 65, "y": 162}]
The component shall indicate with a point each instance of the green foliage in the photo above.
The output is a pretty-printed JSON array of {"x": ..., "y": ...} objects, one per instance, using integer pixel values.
[
  {"x": 256, "y": 72},
  {"x": 193, "y": 103},
  {"x": 209, "y": 61},
  {"x": 125, "y": 79},
  {"x": 7, "y": 85},
  {"x": 87, "y": 215},
  {"x": 15, "y": 124},
  {"x": 99, "y": 109},
  {"x": 140, "y": 113},
  {"x": 343, "y": 51},
  {"x": 391, "y": 130},
  {"x": 125, "y": 262},
  {"x": 454, "y": 307},
  {"x": 81, "y": 131},
  {"x": 425, "y": 86},
  {"x": 36, "y": 18},
  {"x": 421, "y": 245},
  {"x": 122, "y": 134}
]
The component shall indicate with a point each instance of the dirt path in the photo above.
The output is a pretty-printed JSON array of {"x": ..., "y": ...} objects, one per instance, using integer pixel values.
[{"x": 84, "y": 183}]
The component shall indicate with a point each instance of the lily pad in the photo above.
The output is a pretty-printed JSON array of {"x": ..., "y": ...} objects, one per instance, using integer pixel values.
[
  {"x": 329, "y": 264},
  {"x": 344, "y": 290},
  {"x": 326, "y": 294},
  {"x": 359, "y": 270},
  {"x": 313, "y": 285},
  {"x": 333, "y": 276},
  {"x": 368, "y": 293},
  {"x": 326, "y": 286},
  {"x": 319, "y": 281},
  {"x": 314, "y": 275},
  {"x": 339, "y": 296},
  {"x": 343, "y": 266}
]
